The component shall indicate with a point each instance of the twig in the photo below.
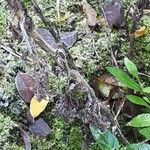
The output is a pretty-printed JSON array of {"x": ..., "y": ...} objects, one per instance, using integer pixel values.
[
  {"x": 120, "y": 108},
  {"x": 143, "y": 74},
  {"x": 46, "y": 23},
  {"x": 25, "y": 136},
  {"x": 125, "y": 141},
  {"x": 57, "y": 9},
  {"x": 144, "y": 141},
  {"x": 8, "y": 49},
  {"x": 25, "y": 35},
  {"x": 110, "y": 46}
]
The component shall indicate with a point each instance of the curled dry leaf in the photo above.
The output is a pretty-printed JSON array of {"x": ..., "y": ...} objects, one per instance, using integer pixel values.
[
  {"x": 114, "y": 13},
  {"x": 108, "y": 85},
  {"x": 36, "y": 107},
  {"x": 40, "y": 128},
  {"x": 25, "y": 85},
  {"x": 142, "y": 31},
  {"x": 91, "y": 15},
  {"x": 69, "y": 38}
]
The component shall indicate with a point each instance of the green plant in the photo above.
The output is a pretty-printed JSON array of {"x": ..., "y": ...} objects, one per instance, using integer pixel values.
[
  {"x": 108, "y": 141},
  {"x": 6, "y": 138},
  {"x": 134, "y": 83}
]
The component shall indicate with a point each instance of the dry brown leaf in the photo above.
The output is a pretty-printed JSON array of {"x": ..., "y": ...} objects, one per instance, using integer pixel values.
[
  {"x": 25, "y": 85},
  {"x": 91, "y": 15},
  {"x": 107, "y": 85}
]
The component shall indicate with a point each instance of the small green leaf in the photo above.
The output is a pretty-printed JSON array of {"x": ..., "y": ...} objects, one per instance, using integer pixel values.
[
  {"x": 124, "y": 78},
  {"x": 106, "y": 140},
  {"x": 131, "y": 67},
  {"x": 137, "y": 100},
  {"x": 146, "y": 132},
  {"x": 146, "y": 90},
  {"x": 142, "y": 120},
  {"x": 136, "y": 147}
]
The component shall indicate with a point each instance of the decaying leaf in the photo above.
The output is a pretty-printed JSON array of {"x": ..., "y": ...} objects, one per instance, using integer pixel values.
[
  {"x": 142, "y": 31},
  {"x": 40, "y": 128},
  {"x": 25, "y": 85},
  {"x": 114, "y": 13},
  {"x": 107, "y": 84},
  {"x": 36, "y": 107},
  {"x": 69, "y": 38},
  {"x": 90, "y": 14}
]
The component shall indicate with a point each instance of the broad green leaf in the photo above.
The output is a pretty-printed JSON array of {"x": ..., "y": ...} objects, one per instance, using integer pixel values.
[
  {"x": 124, "y": 78},
  {"x": 146, "y": 90},
  {"x": 131, "y": 67},
  {"x": 146, "y": 132},
  {"x": 147, "y": 100},
  {"x": 142, "y": 120},
  {"x": 106, "y": 140},
  {"x": 136, "y": 147},
  {"x": 137, "y": 100}
]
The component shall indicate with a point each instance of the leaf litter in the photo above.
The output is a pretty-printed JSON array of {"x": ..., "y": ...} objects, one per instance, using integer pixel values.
[{"x": 65, "y": 106}]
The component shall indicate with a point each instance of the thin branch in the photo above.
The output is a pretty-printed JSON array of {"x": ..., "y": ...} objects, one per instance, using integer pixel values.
[
  {"x": 8, "y": 49},
  {"x": 25, "y": 35},
  {"x": 46, "y": 23},
  {"x": 119, "y": 110},
  {"x": 143, "y": 74},
  {"x": 125, "y": 141},
  {"x": 58, "y": 9},
  {"x": 114, "y": 61}
]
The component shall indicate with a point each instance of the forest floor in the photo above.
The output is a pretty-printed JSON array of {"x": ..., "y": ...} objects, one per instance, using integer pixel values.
[{"x": 64, "y": 72}]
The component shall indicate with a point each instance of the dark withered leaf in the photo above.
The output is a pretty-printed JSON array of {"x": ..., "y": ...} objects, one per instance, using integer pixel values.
[
  {"x": 114, "y": 13},
  {"x": 47, "y": 36},
  {"x": 40, "y": 128},
  {"x": 69, "y": 38},
  {"x": 25, "y": 85}
]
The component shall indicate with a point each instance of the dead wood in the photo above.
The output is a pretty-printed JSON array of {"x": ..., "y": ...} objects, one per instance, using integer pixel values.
[{"x": 95, "y": 112}]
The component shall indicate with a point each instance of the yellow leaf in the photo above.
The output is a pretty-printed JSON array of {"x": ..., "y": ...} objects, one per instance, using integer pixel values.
[
  {"x": 64, "y": 18},
  {"x": 141, "y": 32},
  {"x": 36, "y": 107}
]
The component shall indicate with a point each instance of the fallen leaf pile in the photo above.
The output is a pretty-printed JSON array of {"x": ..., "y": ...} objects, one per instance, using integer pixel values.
[{"x": 25, "y": 85}]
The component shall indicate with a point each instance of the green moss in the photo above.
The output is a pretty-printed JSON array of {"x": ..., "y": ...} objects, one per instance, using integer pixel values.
[
  {"x": 64, "y": 136},
  {"x": 6, "y": 138}
]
